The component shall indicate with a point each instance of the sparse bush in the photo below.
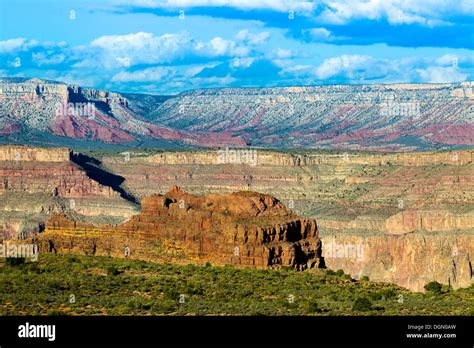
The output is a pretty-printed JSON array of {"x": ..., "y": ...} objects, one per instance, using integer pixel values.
[
  {"x": 73, "y": 259},
  {"x": 15, "y": 261},
  {"x": 156, "y": 288},
  {"x": 434, "y": 287},
  {"x": 113, "y": 271},
  {"x": 34, "y": 268},
  {"x": 375, "y": 296},
  {"x": 362, "y": 304},
  {"x": 312, "y": 307},
  {"x": 389, "y": 293},
  {"x": 347, "y": 277}
]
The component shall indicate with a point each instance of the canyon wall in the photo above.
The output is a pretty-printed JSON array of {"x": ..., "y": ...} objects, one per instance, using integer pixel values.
[
  {"x": 409, "y": 260},
  {"x": 252, "y": 157},
  {"x": 392, "y": 204},
  {"x": 243, "y": 229},
  {"x": 34, "y": 154},
  {"x": 38, "y": 182},
  {"x": 396, "y": 118},
  {"x": 385, "y": 200}
]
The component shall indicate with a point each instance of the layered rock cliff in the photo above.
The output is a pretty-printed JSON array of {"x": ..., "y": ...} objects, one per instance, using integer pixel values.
[
  {"x": 409, "y": 260},
  {"x": 243, "y": 228},
  {"x": 400, "y": 118},
  {"x": 38, "y": 182},
  {"x": 381, "y": 200},
  {"x": 389, "y": 203},
  {"x": 31, "y": 110}
]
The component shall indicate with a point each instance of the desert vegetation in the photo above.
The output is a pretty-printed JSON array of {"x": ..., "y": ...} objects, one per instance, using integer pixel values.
[{"x": 87, "y": 285}]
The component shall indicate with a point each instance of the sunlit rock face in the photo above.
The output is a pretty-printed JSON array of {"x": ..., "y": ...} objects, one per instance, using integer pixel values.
[
  {"x": 243, "y": 228},
  {"x": 407, "y": 218},
  {"x": 402, "y": 118}
]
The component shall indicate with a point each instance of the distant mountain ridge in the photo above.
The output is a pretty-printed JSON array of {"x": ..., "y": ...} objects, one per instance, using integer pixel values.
[{"x": 399, "y": 117}]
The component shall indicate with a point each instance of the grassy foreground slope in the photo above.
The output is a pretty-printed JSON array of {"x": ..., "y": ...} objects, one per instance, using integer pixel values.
[{"x": 86, "y": 285}]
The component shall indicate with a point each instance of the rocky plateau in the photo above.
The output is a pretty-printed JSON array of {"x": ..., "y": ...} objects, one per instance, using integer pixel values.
[
  {"x": 398, "y": 117},
  {"x": 395, "y": 217}
]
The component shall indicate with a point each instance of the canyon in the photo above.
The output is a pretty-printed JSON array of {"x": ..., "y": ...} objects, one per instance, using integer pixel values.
[
  {"x": 38, "y": 182},
  {"x": 405, "y": 218},
  {"x": 390, "y": 118}
]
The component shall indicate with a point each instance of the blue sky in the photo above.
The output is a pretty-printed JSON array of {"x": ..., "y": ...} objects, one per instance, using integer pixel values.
[{"x": 167, "y": 46}]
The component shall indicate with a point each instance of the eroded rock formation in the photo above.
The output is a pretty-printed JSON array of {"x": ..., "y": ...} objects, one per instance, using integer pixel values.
[
  {"x": 410, "y": 260},
  {"x": 407, "y": 210},
  {"x": 243, "y": 228},
  {"x": 38, "y": 182}
]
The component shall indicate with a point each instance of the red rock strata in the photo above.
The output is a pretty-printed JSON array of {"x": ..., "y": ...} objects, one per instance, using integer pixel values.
[{"x": 243, "y": 228}]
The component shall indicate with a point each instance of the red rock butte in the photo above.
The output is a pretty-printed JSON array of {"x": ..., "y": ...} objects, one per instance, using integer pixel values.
[{"x": 242, "y": 228}]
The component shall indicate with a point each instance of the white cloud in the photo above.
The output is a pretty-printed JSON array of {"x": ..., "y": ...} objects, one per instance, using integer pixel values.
[
  {"x": 252, "y": 39},
  {"x": 217, "y": 81},
  {"x": 281, "y": 53},
  {"x": 436, "y": 74},
  {"x": 424, "y": 12},
  {"x": 455, "y": 60},
  {"x": 275, "y": 5},
  {"x": 119, "y": 51},
  {"x": 346, "y": 64},
  {"x": 18, "y": 44},
  {"x": 143, "y": 48},
  {"x": 298, "y": 70},
  {"x": 155, "y": 74},
  {"x": 222, "y": 47},
  {"x": 362, "y": 68},
  {"x": 193, "y": 71},
  {"x": 242, "y": 62},
  {"x": 48, "y": 58},
  {"x": 321, "y": 34}
]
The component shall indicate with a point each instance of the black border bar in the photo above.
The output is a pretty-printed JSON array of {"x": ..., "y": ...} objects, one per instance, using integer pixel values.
[{"x": 228, "y": 331}]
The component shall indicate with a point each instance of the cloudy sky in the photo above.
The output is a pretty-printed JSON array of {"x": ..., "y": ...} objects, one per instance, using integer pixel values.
[{"x": 167, "y": 46}]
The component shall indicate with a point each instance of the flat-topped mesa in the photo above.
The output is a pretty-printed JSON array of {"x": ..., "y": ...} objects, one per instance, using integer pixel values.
[
  {"x": 256, "y": 157},
  {"x": 34, "y": 88},
  {"x": 242, "y": 228},
  {"x": 34, "y": 154}
]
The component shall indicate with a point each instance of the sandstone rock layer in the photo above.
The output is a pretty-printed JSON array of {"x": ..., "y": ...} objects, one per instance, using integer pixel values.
[{"x": 243, "y": 228}]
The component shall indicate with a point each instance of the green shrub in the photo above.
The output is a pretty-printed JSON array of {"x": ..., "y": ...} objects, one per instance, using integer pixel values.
[
  {"x": 375, "y": 296},
  {"x": 34, "y": 268},
  {"x": 362, "y": 304},
  {"x": 15, "y": 261},
  {"x": 113, "y": 271},
  {"x": 389, "y": 293},
  {"x": 347, "y": 277},
  {"x": 312, "y": 307},
  {"x": 434, "y": 287}
]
